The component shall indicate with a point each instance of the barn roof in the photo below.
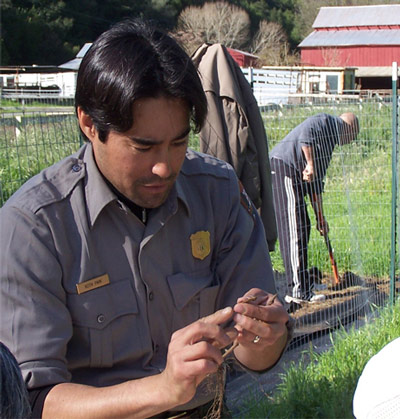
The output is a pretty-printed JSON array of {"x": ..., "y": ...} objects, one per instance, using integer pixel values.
[
  {"x": 247, "y": 54},
  {"x": 76, "y": 62},
  {"x": 352, "y": 37},
  {"x": 331, "y": 17}
]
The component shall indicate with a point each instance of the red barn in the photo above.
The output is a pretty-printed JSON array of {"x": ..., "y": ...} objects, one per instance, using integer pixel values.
[
  {"x": 366, "y": 37},
  {"x": 244, "y": 59}
]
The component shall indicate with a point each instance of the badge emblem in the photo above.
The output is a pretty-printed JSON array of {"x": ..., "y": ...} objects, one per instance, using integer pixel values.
[{"x": 200, "y": 244}]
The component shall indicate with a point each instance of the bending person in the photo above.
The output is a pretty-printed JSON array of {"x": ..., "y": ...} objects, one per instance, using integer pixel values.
[{"x": 299, "y": 164}]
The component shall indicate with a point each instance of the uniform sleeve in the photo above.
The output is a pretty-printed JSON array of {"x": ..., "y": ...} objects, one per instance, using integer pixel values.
[
  {"x": 35, "y": 323},
  {"x": 243, "y": 256}
]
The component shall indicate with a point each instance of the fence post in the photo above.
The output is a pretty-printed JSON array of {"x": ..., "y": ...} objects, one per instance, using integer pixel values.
[
  {"x": 251, "y": 75},
  {"x": 394, "y": 182}
]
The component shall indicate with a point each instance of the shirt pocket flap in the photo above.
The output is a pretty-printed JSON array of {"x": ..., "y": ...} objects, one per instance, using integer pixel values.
[
  {"x": 185, "y": 286},
  {"x": 98, "y": 307}
]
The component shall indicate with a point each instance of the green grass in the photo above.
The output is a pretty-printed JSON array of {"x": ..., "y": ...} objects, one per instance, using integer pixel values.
[
  {"x": 322, "y": 385},
  {"x": 36, "y": 143},
  {"x": 27, "y": 103}
]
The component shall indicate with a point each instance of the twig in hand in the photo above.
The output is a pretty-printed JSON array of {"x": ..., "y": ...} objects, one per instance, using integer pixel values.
[
  {"x": 216, "y": 408},
  {"x": 228, "y": 351}
]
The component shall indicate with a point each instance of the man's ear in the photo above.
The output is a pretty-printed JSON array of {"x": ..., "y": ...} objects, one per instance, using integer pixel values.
[{"x": 86, "y": 124}]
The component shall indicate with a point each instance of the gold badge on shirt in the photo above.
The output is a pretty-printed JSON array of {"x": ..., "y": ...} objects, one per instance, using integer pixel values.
[{"x": 200, "y": 244}]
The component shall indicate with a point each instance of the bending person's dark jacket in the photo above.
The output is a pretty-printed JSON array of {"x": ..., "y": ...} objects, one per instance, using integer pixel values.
[{"x": 322, "y": 133}]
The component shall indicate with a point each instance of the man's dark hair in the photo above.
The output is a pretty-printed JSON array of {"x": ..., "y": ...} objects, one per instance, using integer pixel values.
[
  {"x": 130, "y": 61},
  {"x": 14, "y": 402}
]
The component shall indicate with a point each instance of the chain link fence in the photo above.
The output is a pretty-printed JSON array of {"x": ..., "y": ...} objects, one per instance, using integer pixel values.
[{"x": 32, "y": 138}]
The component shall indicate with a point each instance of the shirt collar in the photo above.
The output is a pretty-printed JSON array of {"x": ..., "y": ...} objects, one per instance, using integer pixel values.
[{"x": 98, "y": 194}]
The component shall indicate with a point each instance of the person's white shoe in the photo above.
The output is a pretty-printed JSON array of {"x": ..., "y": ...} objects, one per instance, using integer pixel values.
[
  {"x": 316, "y": 298},
  {"x": 309, "y": 298},
  {"x": 289, "y": 299}
]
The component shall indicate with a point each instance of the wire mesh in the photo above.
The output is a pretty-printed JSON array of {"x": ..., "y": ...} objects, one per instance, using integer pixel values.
[
  {"x": 32, "y": 139},
  {"x": 357, "y": 195}
]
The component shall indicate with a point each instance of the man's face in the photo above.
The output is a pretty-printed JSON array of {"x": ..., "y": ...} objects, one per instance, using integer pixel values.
[{"x": 143, "y": 162}]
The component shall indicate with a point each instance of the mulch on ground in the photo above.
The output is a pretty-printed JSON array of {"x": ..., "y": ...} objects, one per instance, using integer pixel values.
[{"x": 345, "y": 301}]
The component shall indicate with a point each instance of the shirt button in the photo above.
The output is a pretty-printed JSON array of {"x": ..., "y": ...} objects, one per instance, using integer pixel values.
[
  {"x": 151, "y": 295},
  {"x": 101, "y": 318},
  {"x": 76, "y": 168},
  {"x": 156, "y": 348}
]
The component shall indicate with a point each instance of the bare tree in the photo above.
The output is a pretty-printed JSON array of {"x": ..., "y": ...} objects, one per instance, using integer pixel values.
[
  {"x": 271, "y": 45},
  {"x": 269, "y": 35},
  {"x": 218, "y": 22}
]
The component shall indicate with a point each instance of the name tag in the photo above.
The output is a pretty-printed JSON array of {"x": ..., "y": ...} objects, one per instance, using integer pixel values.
[{"x": 92, "y": 284}]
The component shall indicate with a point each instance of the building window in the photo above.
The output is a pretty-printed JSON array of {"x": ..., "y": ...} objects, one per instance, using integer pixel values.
[
  {"x": 314, "y": 87},
  {"x": 332, "y": 84}
]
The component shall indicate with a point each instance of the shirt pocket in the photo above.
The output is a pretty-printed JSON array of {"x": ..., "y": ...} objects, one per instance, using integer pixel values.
[
  {"x": 194, "y": 295},
  {"x": 101, "y": 318}
]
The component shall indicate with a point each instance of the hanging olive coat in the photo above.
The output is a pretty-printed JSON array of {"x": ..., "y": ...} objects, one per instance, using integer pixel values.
[{"x": 234, "y": 130}]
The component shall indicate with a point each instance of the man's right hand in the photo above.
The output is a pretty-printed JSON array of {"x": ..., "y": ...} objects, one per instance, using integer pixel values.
[
  {"x": 322, "y": 226},
  {"x": 308, "y": 173},
  {"x": 194, "y": 352}
]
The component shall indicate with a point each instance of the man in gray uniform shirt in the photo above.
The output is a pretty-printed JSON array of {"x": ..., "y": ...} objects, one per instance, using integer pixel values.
[
  {"x": 299, "y": 164},
  {"x": 127, "y": 268}
]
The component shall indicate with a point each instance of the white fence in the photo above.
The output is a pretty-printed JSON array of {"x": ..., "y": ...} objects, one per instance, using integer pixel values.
[{"x": 274, "y": 85}]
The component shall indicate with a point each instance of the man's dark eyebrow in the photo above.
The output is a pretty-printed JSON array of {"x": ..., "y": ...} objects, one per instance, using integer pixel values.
[{"x": 150, "y": 141}]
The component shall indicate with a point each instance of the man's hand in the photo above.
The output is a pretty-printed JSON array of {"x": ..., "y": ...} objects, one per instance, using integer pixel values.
[
  {"x": 322, "y": 226},
  {"x": 321, "y": 223},
  {"x": 262, "y": 329},
  {"x": 308, "y": 173},
  {"x": 195, "y": 352}
]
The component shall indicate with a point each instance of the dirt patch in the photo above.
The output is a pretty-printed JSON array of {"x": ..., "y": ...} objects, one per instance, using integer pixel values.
[{"x": 343, "y": 302}]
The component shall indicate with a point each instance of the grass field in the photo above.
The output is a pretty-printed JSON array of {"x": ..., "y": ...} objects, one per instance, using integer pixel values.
[
  {"x": 29, "y": 144},
  {"x": 322, "y": 385}
]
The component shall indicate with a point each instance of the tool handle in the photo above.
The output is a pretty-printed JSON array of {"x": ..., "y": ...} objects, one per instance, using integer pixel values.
[
  {"x": 329, "y": 246},
  {"x": 332, "y": 258}
]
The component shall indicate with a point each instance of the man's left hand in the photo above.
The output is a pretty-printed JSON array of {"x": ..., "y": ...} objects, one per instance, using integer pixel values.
[{"x": 262, "y": 329}]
